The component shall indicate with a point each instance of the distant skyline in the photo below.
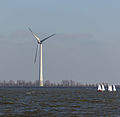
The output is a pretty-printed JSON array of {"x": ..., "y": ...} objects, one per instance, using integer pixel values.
[{"x": 85, "y": 49}]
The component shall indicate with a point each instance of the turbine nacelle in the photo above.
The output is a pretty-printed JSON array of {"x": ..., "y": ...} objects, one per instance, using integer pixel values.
[{"x": 39, "y": 42}]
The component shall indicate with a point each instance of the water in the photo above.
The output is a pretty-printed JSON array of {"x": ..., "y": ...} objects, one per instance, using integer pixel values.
[{"x": 58, "y": 102}]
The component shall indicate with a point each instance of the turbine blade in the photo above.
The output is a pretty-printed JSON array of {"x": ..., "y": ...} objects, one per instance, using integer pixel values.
[
  {"x": 36, "y": 54},
  {"x": 47, "y": 38},
  {"x": 38, "y": 39}
]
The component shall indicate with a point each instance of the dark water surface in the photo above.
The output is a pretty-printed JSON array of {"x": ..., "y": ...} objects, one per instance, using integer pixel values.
[{"x": 58, "y": 102}]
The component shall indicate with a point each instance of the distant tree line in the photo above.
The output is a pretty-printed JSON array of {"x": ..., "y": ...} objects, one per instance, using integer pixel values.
[{"x": 47, "y": 83}]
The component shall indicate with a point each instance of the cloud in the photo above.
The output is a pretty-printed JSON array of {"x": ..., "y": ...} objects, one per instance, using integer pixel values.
[
  {"x": 76, "y": 36},
  {"x": 19, "y": 34},
  {"x": 25, "y": 35}
]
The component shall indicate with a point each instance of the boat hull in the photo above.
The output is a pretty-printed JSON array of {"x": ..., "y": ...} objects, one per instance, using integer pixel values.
[{"x": 99, "y": 90}]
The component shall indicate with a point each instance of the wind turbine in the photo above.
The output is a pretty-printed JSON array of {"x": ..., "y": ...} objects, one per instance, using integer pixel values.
[{"x": 39, "y": 47}]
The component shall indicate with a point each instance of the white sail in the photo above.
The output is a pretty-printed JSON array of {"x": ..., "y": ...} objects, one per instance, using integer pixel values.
[
  {"x": 114, "y": 88},
  {"x": 103, "y": 88},
  {"x": 109, "y": 88},
  {"x": 99, "y": 88}
]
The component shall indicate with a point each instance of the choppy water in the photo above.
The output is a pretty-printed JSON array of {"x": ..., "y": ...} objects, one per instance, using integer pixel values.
[{"x": 58, "y": 102}]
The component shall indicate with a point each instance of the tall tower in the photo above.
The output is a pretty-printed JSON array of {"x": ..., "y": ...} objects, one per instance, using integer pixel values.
[{"x": 39, "y": 47}]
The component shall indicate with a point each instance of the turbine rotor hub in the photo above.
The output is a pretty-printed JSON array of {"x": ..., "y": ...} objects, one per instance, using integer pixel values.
[{"x": 39, "y": 42}]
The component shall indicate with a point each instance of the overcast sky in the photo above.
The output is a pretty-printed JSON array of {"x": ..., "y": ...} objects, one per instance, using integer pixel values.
[{"x": 85, "y": 49}]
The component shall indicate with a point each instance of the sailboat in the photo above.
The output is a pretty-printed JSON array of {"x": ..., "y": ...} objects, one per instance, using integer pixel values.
[
  {"x": 114, "y": 88},
  {"x": 110, "y": 88},
  {"x": 103, "y": 88},
  {"x": 99, "y": 88}
]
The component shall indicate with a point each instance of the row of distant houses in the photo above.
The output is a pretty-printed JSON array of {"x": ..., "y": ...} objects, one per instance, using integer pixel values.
[{"x": 47, "y": 83}]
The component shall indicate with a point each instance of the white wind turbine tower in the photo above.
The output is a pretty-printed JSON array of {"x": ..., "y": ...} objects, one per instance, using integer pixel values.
[{"x": 39, "y": 47}]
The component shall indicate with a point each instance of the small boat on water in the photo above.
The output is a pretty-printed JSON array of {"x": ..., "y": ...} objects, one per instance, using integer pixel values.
[
  {"x": 101, "y": 88},
  {"x": 114, "y": 88},
  {"x": 110, "y": 88}
]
